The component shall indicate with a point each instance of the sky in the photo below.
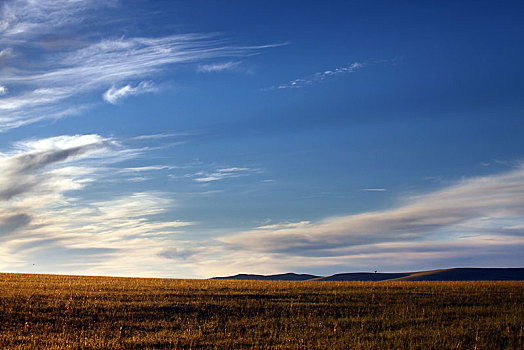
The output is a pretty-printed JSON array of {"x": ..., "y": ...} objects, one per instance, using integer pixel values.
[{"x": 208, "y": 138}]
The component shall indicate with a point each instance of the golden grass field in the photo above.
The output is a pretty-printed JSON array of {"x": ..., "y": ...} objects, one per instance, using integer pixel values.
[{"x": 73, "y": 312}]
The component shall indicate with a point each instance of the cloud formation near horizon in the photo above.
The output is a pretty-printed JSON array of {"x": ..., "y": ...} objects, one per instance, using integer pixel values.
[
  {"x": 42, "y": 208},
  {"x": 477, "y": 221},
  {"x": 488, "y": 205},
  {"x": 127, "y": 233}
]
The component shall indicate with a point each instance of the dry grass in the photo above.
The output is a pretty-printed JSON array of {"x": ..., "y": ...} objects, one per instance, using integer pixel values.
[{"x": 71, "y": 312}]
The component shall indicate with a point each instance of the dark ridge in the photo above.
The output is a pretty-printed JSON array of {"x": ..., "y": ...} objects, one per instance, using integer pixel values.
[
  {"x": 362, "y": 276},
  {"x": 468, "y": 274},
  {"x": 279, "y": 277},
  {"x": 456, "y": 274}
]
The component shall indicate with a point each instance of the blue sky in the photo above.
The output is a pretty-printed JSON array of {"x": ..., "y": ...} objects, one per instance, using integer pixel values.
[{"x": 196, "y": 139}]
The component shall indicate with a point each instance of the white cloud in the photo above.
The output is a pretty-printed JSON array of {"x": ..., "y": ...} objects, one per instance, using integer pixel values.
[
  {"x": 4, "y": 54},
  {"x": 113, "y": 95},
  {"x": 23, "y": 169},
  {"x": 374, "y": 189},
  {"x": 317, "y": 77},
  {"x": 162, "y": 135},
  {"x": 218, "y": 67},
  {"x": 284, "y": 225},
  {"x": 222, "y": 173},
  {"x": 58, "y": 142},
  {"x": 232, "y": 170},
  {"x": 148, "y": 168},
  {"x": 3, "y": 90},
  {"x": 139, "y": 179}
]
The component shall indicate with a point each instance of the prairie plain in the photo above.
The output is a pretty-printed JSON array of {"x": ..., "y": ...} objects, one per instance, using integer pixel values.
[{"x": 78, "y": 312}]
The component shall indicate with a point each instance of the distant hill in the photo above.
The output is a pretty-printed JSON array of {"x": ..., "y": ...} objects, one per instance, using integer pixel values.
[
  {"x": 456, "y": 274},
  {"x": 280, "y": 277},
  {"x": 467, "y": 274},
  {"x": 362, "y": 276}
]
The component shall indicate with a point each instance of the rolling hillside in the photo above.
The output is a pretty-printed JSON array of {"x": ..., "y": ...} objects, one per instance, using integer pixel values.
[
  {"x": 467, "y": 274},
  {"x": 279, "y": 277},
  {"x": 456, "y": 274}
]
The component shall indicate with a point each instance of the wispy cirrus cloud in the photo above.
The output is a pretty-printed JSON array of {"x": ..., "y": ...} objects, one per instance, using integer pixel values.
[
  {"x": 164, "y": 135},
  {"x": 113, "y": 95},
  {"x": 21, "y": 20},
  {"x": 148, "y": 168},
  {"x": 284, "y": 225},
  {"x": 317, "y": 77},
  {"x": 53, "y": 84},
  {"x": 218, "y": 67},
  {"x": 222, "y": 173}
]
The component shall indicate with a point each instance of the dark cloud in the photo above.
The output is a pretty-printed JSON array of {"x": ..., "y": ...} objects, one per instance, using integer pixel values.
[
  {"x": 178, "y": 253},
  {"x": 14, "y": 223},
  {"x": 20, "y": 172},
  {"x": 32, "y": 162},
  {"x": 16, "y": 189}
]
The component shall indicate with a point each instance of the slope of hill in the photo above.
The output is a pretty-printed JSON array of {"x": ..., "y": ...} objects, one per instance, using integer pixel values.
[
  {"x": 362, "y": 276},
  {"x": 456, "y": 274},
  {"x": 467, "y": 274},
  {"x": 279, "y": 277}
]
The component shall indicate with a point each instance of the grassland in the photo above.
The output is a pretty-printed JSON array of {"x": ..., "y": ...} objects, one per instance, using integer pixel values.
[{"x": 71, "y": 312}]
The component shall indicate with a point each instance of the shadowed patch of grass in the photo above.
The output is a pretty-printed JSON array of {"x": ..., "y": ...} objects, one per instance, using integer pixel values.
[{"x": 72, "y": 312}]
